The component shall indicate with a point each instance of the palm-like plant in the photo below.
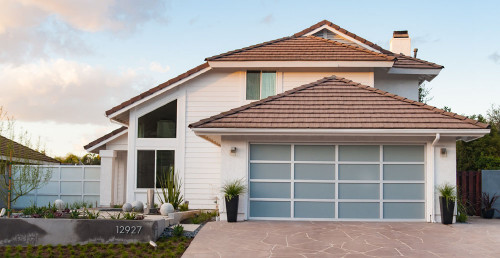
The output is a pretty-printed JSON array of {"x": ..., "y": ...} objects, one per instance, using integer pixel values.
[
  {"x": 170, "y": 184},
  {"x": 233, "y": 188},
  {"x": 488, "y": 201}
]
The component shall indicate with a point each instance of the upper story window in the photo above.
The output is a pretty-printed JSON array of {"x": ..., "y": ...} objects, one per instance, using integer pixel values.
[
  {"x": 160, "y": 123},
  {"x": 260, "y": 84}
]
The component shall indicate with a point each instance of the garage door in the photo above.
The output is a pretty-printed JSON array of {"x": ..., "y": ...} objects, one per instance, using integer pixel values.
[{"x": 336, "y": 182}]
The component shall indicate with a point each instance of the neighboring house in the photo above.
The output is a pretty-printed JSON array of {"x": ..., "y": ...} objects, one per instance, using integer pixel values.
[{"x": 322, "y": 125}]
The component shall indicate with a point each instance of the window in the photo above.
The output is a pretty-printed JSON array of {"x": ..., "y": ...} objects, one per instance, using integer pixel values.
[
  {"x": 160, "y": 123},
  {"x": 260, "y": 85},
  {"x": 147, "y": 172}
]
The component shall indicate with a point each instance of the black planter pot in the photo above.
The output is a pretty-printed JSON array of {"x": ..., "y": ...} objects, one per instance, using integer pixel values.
[
  {"x": 232, "y": 208},
  {"x": 447, "y": 208},
  {"x": 487, "y": 214}
]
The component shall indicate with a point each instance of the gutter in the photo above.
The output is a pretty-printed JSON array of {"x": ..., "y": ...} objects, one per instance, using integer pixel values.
[{"x": 436, "y": 140}]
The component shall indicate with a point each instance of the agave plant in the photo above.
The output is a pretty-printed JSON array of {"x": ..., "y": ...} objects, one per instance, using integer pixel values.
[
  {"x": 488, "y": 201},
  {"x": 170, "y": 184}
]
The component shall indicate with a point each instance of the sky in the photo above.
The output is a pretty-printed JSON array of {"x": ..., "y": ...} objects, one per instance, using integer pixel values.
[{"x": 63, "y": 63}]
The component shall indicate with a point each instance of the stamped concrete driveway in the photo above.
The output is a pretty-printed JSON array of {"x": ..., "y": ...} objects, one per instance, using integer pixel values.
[{"x": 480, "y": 238}]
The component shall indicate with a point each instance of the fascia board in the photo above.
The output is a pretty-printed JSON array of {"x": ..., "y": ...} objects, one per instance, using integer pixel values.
[{"x": 286, "y": 64}]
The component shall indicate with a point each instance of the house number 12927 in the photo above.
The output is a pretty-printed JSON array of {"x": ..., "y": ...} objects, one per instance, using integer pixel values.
[{"x": 128, "y": 230}]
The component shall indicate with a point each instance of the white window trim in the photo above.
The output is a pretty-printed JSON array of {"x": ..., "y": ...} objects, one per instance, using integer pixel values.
[
  {"x": 260, "y": 86},
  {"x": 337, "y": 200},
  {"x": 137, "y": 189}
]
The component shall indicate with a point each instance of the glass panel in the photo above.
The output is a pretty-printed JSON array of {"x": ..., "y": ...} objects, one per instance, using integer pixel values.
[
  {"x": 315, "y": 171},
  {"x": 404, "y": 191},
  {"x": 403, "y": 172},
  {"x": 164, "y": 165},
  {"x": 359, "y": 210},
  {"x": 26, "y": 201},
  {"x": 359, "y": 191},
  {"x": 314, "y": 191},
  {"x": 49, "y": 188},
  {"x": 71, "y": 188},
  {"x": 269, "y": 209},
  {"x": 159, "y": 123},
  {"x": 269, "y": 190},
  {"x": 71, "y": 173},
  {"x": 359, "y": 153},
  {"x": 314, "y": 153},
  {"x": 91, "y": 199},
  {"x": 270, "y": 152},
  {"x": 92, "y": 173},
  {"x": 359, "y": 172},
  {"x": 145, "y": 168},
  {"x": 253, "y": 85},
  {"x": 399, "y": 210},
  {"x": 412, "y": 153},
  {"x": 43, "y": 200},
  {"x": 270, "y": 171},
  {"x": 70, "y": 199},
  {"x": 91, "y": 188},
  {"x": 314, "y": 210},
  {"x": 268, "y": 84}
]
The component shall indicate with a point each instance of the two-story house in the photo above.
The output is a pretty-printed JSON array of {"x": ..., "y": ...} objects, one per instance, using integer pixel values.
[{"x": 321, "y": 125}]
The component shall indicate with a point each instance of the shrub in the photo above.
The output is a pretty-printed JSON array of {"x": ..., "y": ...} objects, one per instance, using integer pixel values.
[
  {"x": 184, "y": 206},
  {"x": 203, "y": 217},
  {"x": 447, "y": 191},
  {"x": 233, "y": 188},
  {"x": 178, "y": 230},
  {"x": 74, "y": 214},
  {"x": 91, "y": 214}
]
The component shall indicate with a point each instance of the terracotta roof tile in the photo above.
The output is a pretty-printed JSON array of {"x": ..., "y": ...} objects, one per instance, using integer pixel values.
[
  {"x": 105, "y": 137},
  {"x": 22, "y": 152},
  {"x": 338, "y": 103}
]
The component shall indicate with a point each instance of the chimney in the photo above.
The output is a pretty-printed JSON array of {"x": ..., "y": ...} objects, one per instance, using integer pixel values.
[{"x": 401, "y": 43}]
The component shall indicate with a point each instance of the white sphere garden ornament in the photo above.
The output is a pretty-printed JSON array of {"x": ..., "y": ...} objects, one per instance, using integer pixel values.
[
  {"x": 127, "y": 207},
  {"x": 59, "y": 204},
  {"x": 166, "y": 208},
  {"x": 137, "y": 206}
]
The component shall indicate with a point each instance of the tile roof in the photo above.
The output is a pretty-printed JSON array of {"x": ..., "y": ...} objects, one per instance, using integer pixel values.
[
  {"x": 158, "y": 88},
  {"x": 403, "y": 61},
  {"x": 307, "y": 48},
  {"x": 338, "y": 103},
  {"x": 105, "y": 137},
  {"x": 22, "y": 152}
]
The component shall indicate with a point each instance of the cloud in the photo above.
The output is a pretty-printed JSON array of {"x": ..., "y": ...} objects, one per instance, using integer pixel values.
[
  {"x": 268, "y": 19},
  {"x": 495, "y": 57},
  {"x": 194, "y": 20},
  {"x": 423, "y": 39},
  {"x": 66, "y": 91},
  {"x": 157, "y": 67},
  {"x": 37, "y": 29}
]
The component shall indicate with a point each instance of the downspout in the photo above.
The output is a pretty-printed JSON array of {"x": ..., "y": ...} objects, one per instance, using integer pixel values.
[{"x": 436, "y": 140}]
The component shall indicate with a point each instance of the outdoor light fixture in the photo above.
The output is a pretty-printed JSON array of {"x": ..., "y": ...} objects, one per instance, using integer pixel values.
[
  {"x": 233, "y": 150},
  {"x": 444, "y": 151}
]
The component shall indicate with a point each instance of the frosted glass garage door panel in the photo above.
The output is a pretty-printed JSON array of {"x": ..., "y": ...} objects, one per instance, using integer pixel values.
[
  {"x": 91, "y": 187},
  {"x": 359, "y": 172},
  {"x": 92, "y": 173},
  {"x": 359, "y": 153},
  {"x": 359, "y": 210},
  {"x": 49, "y": 188},
  {"x": 71, "y": 199},
  {"x": 71, "y": 173},
  {"x": 270, "y": 152},
  {"x": 397, "y": 210},
  {"x": 71, "y": 188},
  {"x": 314, "y": 210},
  {"x": 44, "y": 200},
  {"x": 270, "y": 171},
  {"x": 404, "y": 192},
  {"x": 315, "y": 171},
  {"x": 314, "y": 191},
  {"x": 404, "y": 172},
  {"x": 359, "y": 191},
  {"x": 91, "y": 199},
  {"x": 24, "y": 201},
  {"x": 270, "y": 209},
  {"x": 269, "y": 190},
  {"x": 404, "y": 153},
  {"x": 314, "y": 153}
]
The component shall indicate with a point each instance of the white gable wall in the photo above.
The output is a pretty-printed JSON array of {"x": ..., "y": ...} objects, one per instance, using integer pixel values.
[
  {"x": 400, "y": 84},
  {"x": 295, "y": 79}
]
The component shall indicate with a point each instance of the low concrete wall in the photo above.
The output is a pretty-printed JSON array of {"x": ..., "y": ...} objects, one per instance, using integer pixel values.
[
  {"x": 491, "y": 184},
  {"x": 78, "y": 231},
  {"x": 177, "y": 217}
]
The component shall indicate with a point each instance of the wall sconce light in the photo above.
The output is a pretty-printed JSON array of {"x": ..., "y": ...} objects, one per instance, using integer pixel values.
[
  {"x": 233, "y": 150},
  {"x": 444, "y": 152}
]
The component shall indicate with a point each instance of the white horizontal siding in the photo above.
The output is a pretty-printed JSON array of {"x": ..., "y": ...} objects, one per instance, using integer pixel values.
[
  {"x": 208, "y": 95},
  {"x": 295, "y": 79}
]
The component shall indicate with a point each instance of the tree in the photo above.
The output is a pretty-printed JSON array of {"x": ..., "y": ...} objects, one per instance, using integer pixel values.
[
  {"x": 20, "y": 172},
  {"x": 87, "y": 159},
  {"x": 424, "y": 93},
  {"x": 91, "y": 159}
]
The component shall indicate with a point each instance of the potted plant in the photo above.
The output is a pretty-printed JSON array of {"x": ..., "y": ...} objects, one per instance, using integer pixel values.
[
  {"x": 488, "y": 211},
  {"x": 232, "y": 191},
  {"x": 447, "y": 202}
]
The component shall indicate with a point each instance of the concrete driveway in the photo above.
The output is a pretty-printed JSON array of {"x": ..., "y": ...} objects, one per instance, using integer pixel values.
[{"x": 480, "y": 238}]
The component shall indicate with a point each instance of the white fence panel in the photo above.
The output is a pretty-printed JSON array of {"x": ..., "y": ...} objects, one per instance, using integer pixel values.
[{"x": 68, "y": 183}]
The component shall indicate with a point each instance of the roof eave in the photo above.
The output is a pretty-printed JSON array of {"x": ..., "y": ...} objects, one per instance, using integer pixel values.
[{"x": 295, "y": 64}]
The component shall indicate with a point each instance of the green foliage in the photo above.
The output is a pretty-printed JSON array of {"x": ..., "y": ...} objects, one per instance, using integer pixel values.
[
  {"x": 184, "y": 206},
  {"x": 424, "y": 93},
  {"x": 74, "y": 214},
  {"x": 233, "y": 188},
  {"x": 462, "y": 217},
  {"x": 178, "y": 230},
  {"x": 91, "y": 214},
  {"x": 447, "y": 191},
  {"x": 203, "y": 217},
  {"x": 170, "y": 184},
  {"x": 488, "y": 201},
  {"x": 116, "y": 216},
  {"x": 87, "y": 159}
]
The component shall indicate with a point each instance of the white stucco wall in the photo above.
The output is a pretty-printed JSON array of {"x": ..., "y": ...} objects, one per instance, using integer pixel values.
[{"x": 400, "y": 84}]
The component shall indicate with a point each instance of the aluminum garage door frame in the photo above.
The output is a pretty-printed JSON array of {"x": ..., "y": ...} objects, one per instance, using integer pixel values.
[{"x": 279, "y": 203}]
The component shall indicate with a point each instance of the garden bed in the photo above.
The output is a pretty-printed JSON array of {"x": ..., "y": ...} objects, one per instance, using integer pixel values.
[{"x": 171, "y": 247}]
